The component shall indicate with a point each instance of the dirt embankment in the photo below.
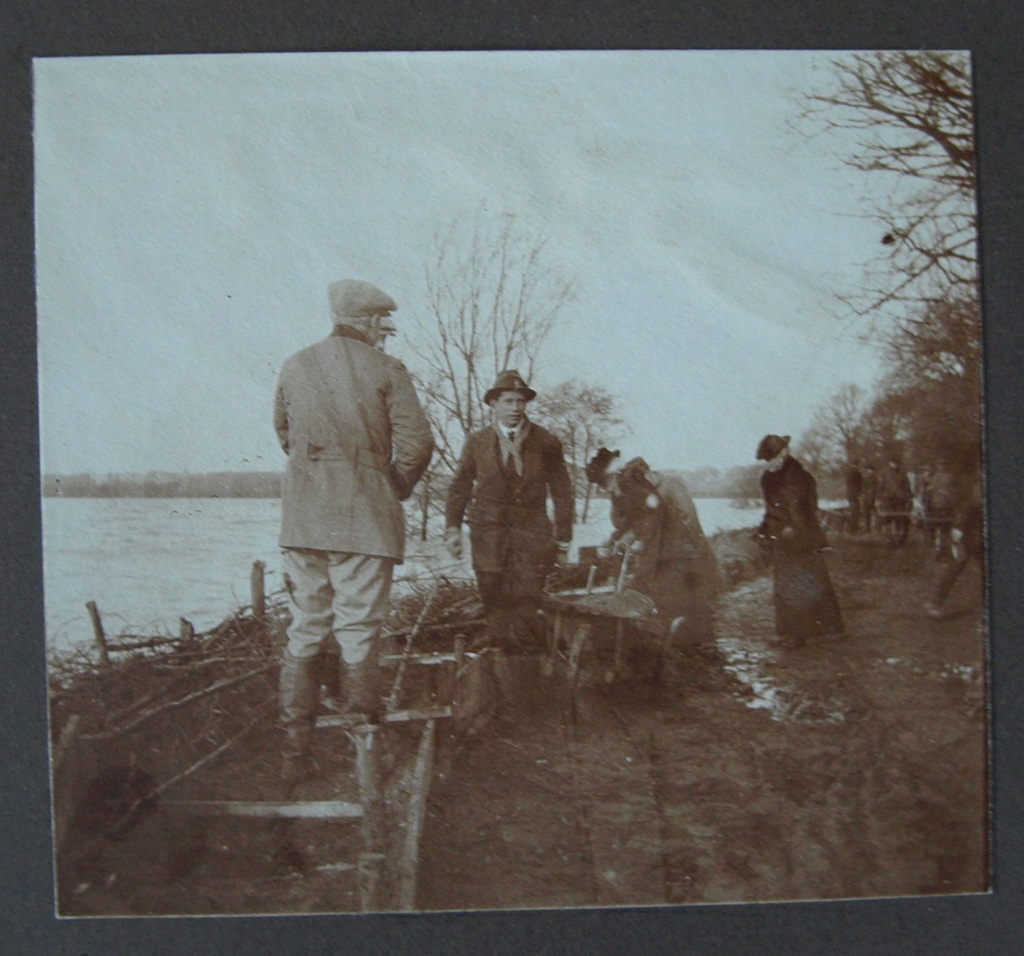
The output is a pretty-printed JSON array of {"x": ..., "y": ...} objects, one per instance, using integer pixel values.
[{"x": 852, "y": 767}]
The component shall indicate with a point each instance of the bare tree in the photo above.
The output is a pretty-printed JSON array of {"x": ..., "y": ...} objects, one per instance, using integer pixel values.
[
  {"x": 494, "y": 293},
  {"x": 912, "y": 120},
  {"x": 887, "y": 424},
  {"x": 584, "y": 417},
  {"x": 836, "y": 432}
]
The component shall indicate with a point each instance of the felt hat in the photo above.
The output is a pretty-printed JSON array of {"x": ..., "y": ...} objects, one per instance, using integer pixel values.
[
  {"x": 509, "y": 381},
  {"x": 771, "y": 445},
  {"x": 598, "y": 466},
  {"x": 355, "y": 299}
]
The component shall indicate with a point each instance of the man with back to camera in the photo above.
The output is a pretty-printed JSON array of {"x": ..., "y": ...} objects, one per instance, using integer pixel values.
[
  {"x": 357, "y": 441},
  {"x": 505, "y": 475}
]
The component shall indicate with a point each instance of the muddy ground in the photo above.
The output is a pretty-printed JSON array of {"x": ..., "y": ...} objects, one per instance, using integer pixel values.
[{"x": 852, "y": 767}]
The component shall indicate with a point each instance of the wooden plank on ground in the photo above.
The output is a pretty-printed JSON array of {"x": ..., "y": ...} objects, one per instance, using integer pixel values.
[
  {"x": 302, "y": 809},
  {"x": 395, "y": 717},
  {"x": 429, "y": 659}
]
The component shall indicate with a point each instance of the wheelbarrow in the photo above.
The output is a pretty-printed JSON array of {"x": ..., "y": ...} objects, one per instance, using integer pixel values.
[{"x": 577, "y": 618}]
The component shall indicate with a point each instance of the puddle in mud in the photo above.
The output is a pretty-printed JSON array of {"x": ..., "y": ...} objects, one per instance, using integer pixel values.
[
  {"x": 750, "y": 663},
  {"x": 946, "y": 672}
]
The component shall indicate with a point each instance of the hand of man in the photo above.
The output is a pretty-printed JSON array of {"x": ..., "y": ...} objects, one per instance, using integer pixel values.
[
  {"x": 624, "y": 544},
  {"x": 562, "y": 555},
  {"x": 453, "y": 542}
]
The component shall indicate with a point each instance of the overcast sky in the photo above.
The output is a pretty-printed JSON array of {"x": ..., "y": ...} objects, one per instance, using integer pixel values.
[{"x": 191, "y": 211}]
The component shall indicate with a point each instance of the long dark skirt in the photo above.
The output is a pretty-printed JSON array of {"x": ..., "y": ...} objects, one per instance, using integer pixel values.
[
  {"x": 805, "y": 602},
  {"x": 678, "y": 591}
]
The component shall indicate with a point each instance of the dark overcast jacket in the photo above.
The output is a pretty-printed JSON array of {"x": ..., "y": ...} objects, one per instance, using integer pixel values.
[{"x": 507, "y": 514}]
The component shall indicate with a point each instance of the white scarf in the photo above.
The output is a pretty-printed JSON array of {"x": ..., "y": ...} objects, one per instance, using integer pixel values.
[{"x": 507, "y": 446}]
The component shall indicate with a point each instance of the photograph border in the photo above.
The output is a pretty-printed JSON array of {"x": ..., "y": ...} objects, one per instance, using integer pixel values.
[{"x": 990, "y": 923}]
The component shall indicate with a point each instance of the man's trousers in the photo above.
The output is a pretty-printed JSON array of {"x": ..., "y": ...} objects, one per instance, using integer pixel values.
[{"x": 330, "y": 592}]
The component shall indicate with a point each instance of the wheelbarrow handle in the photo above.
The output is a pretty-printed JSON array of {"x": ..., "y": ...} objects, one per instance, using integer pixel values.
[{"x": 622, "y": 572}]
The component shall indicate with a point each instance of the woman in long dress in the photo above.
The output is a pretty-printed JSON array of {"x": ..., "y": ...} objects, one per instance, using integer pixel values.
[
  {"x": 654, "y": 515},
  {"x": 805, "y": 601}
]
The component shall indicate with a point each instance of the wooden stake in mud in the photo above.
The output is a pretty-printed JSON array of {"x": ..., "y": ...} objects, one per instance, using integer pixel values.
[
  {"x": 369, "y": 797},
  {"x": 369, "y": 792},
  {"x": 420, "y": 790},
  {"x": 368, "y": 875},
  {"x": 97, "y": 630},
  {"x": 256, "y": 587}
]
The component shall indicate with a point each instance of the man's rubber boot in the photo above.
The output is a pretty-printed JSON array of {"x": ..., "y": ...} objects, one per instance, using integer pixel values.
[
  {"x": 366, "y": 688},
  {"x": 299, "y": 692},
  {"x": 331, "y": 677}
]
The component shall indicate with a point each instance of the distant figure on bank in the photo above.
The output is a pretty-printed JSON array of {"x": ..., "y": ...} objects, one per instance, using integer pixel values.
[
  {"x": 937, "y": 507},
  {"x": 504, "y": 478},
  {"x": 805, "y": 602},
  {"x": 854, "y": 488},
  {"x": 968, "y": 541},
  {"x": 869, "y": 497},
  {"x": 654, "y": 516},
  {"x": 895, "y": 502},
  {"x": 357, "y": 441}
]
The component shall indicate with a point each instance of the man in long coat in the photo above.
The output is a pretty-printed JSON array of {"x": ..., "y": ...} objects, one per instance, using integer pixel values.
[
  {"x": 357, "y": 441},
  {"x": 504, "y": 478},
  {"x": 805, "y": 602}
]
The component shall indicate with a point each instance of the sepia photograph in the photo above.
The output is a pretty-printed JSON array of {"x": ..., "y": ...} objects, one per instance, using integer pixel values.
[{"x": 511, "y": 480}]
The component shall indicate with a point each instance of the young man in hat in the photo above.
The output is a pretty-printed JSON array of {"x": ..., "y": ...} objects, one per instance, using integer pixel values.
[
  {"x": 357, "y": 442},
  {"x": 504, "y": 478}
]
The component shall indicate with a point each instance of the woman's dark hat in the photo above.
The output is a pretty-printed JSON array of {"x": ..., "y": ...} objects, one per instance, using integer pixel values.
[
  {"x": 509, "y": 381},
  {"x": 597, "y": 467},
  {"x": 636, "y": 469},
  {"x": 770, "y": 446}
]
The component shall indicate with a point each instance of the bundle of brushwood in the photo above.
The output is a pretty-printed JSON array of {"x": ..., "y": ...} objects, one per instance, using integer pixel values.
[{"x": 153, "y": 710}]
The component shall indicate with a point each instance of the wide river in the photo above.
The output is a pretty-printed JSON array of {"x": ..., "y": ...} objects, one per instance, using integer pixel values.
[{"x": 147, "y": 562}]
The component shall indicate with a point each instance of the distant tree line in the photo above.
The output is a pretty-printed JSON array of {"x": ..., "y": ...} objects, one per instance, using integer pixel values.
[
  {"x": 739, "y": 481},
  {"x": 159, "y": 484}
]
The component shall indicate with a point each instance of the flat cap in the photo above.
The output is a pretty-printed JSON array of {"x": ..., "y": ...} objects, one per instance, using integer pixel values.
[{"x": 355, "y": 299}]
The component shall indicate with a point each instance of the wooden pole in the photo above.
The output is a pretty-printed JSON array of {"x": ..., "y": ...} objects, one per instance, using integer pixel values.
[
  {"x": 420, "y": 789},
  {"x": 368, "y": 876},
  {"x": 369, "y": 793},
  {"x": 97, "y": 630},
  {"x": 369, "y": 797},
  {"x": 256, "y": 586}
]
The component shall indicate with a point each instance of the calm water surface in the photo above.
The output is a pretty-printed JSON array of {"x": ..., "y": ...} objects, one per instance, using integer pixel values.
[{"x": 146, "y": 562}]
